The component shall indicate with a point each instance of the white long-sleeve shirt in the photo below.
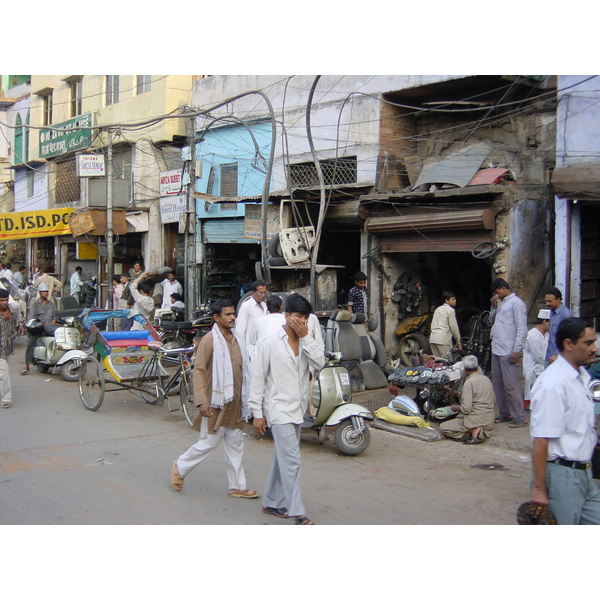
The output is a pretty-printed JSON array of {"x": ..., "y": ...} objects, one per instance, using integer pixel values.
[
  {"x": 510, "y": 326},
  {"x": 280, "y": 380},
  {"x": 249, "y": 310},
  {"x": 533, "y": 358},
  {"x": 444, "y": 326}
]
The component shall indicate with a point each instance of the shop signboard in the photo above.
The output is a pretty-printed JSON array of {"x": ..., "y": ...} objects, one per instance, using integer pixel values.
[
  {"x": 252, "y": 220},
  {"x": 171, "y": 208},
  {"x": 68, "y": 136},
  {"x": 171, "y": 182},
  {"x": 33, "y": 224},
  {"x": 90, "y": 165}
]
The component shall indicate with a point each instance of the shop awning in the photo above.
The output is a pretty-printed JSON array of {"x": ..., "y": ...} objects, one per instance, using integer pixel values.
[{"x": 577, "y": 181}]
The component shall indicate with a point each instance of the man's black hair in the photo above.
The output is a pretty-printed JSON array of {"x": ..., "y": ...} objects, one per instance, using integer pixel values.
[
  {"x": 295, "y": 303},
  {"x": 22, "y": 268},
  {"x": 4, "y": 293},
  {"x": 176, "y": 296},
  {"x": 145, "y": 287},
  {"x": 571, "y": 329},
  {"x": 256, "y": 284},
  {"x": 554, "y": 291},
  {"x": 78, "y": 269},
  {"x": 274, "y": 303},
  {"x": 447, "y": 295},
  {"x": 360, "y": 276},
  {"x": 126, "y": 274},
  {"x": 499, "y": 283},
  {"x": 218, "y": 305}
]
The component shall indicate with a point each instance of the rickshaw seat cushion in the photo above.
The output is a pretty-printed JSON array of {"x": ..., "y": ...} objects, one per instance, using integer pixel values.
[{"x": 139, "y": 334}]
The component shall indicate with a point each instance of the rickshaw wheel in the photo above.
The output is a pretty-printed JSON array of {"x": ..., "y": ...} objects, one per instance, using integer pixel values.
[
  {"x": 186, "y": 393},
  {"x": 91, "y": 383}
]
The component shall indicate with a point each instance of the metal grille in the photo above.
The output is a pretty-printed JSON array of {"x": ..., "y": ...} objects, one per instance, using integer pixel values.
[
  {"x": 67, "y": 183},
  {"x": 335, "y": 172},
  {"x": 229, "y": 179}
]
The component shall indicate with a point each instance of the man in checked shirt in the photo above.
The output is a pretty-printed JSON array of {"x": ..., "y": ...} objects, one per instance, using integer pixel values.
[{"x": 9, "y": 322}]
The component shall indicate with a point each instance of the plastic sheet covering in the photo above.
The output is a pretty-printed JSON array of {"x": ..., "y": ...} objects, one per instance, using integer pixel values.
[{"x": 391, "y": 416}]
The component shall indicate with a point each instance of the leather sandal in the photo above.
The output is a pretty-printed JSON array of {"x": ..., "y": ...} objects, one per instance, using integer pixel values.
[
  {"x": 282, "y": 513},
  {"x": 243, "y": 493},
  {"x": 176, "y": 479},
  {"x": 303, "y": 520}
]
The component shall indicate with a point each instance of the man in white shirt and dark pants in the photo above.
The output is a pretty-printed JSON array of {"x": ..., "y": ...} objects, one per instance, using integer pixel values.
[
  {"x": 563, "y": 431},
  {"x": 279, "y": 397}
]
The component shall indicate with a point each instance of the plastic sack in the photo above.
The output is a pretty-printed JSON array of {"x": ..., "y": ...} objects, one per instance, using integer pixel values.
[{"x": 391, "y": 416}]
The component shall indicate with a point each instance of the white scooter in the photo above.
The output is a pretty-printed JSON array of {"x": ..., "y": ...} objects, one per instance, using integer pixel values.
[
  {"x": 59, "y": 346},
  {"x": 331, "y": 396}
]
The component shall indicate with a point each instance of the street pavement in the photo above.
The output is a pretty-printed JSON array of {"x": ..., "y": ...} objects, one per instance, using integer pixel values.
[{"x": 63, "y": 464}]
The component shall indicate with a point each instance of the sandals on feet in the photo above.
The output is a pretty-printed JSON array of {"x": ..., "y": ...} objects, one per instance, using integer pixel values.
[
  {"x": 176, "y": 479},
  {"x": 243, "y": 493},
  {"x": 473, "y": 440},
  {"x": 503, "y": 419},
  {"x": 24, "y": 371},
  {"x": 303, "y": 520},
  {"x": 282, "y": 513},
  {"x": 515, "y": 424}
]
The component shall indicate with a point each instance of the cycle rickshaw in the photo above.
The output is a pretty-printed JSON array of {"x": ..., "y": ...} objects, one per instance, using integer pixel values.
[{"x": 135, "y": 361}]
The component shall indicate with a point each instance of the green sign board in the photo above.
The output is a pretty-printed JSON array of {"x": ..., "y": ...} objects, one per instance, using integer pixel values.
[{"x": 66, "y": 136}]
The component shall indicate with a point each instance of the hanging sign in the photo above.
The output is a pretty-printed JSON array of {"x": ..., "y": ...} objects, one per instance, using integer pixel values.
[
  {"x": 37, "y": 223},
  {"x": 90, "y": 165},
  {"x": 171, "y": 208}
]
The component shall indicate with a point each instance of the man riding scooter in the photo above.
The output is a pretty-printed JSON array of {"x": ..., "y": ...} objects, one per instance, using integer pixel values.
[{"x": 41, "y": 310}]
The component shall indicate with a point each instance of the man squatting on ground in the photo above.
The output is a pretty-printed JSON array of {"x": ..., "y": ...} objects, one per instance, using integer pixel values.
[
  {"x": 475, "y": 420},
  {"x": 221, "y": 386},
  {"x": 562, "y": 427},
  {"x": 279, "y": 393}
]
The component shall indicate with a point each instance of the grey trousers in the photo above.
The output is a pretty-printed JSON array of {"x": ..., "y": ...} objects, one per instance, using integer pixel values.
[
  {"x": 505, "y": 381},
  {"x": 283, "y": 483},
  {"x": 573, "y": 496}
]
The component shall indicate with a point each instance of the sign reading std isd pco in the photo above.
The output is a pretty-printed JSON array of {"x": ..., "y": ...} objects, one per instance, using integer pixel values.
[{"x": 37, "y": 223}]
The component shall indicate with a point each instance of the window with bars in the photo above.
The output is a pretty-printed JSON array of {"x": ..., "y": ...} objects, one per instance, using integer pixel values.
[
  {"x": 112, "y": 89},
  {"x": 229, "y": 179},
  {"x": 67, "y": 187},
  {"x": 143, "y": 83},
  {"x": 335, "y": 172}
]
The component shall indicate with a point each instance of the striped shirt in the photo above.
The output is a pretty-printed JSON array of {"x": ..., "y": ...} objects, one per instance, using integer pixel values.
[{"x": 8, "y": 332}]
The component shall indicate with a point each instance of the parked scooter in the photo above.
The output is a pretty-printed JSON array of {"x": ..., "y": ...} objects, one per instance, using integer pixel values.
[
  {"x": 59, "y": 347},
  {"x": 331, "y": 396}
]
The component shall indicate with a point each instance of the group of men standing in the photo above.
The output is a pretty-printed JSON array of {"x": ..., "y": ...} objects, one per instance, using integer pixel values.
[{"x": 267, "y": 379}]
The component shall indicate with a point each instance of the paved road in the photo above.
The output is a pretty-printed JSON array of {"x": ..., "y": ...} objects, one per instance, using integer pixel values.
[{"x": 62, "y": 464}]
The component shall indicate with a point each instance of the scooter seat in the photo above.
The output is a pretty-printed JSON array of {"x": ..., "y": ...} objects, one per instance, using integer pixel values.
[{"x": 175, "y": 325}]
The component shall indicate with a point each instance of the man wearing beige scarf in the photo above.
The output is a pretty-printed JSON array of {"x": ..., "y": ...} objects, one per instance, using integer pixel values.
[{"x": 221, "y": 387}]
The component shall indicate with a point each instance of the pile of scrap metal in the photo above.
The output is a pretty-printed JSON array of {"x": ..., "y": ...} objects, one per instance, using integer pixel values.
[{"x": 408, "y": 294}]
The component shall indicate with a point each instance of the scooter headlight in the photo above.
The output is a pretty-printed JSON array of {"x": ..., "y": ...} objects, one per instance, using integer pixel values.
[{"x": 594, "y": 387}]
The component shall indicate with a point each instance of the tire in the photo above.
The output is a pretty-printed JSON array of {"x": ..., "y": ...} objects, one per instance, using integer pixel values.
[
  {"x": 42, "y": 368},
  {"x": 91, "y": 383},
  {"x": 150, "y": 393},
  {"x": 274, "y": 247},
  {"x": 186, "y": 393},
  {"x": 346, "y": 443},
  {"x": 410, "y": 347},
  {"x": 69, "y": 371}
]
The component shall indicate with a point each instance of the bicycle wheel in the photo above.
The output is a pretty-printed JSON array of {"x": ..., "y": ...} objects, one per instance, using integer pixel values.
[
  {"x": 186, "y": 393},
  {"x": 151, "y": 393},
  {"x": 91, "y": 383}
]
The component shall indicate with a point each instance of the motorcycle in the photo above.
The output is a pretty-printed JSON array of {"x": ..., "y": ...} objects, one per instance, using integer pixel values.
[
  {"x": 331, "y": 396},
  {"x": 59, "y": 347},
  {"x": 177, "y": 334}
]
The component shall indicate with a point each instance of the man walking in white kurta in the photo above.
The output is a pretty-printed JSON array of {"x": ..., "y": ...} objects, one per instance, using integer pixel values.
[
  {"x": 279, "y": 396},
  {"x": 221, "y": 385}
]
